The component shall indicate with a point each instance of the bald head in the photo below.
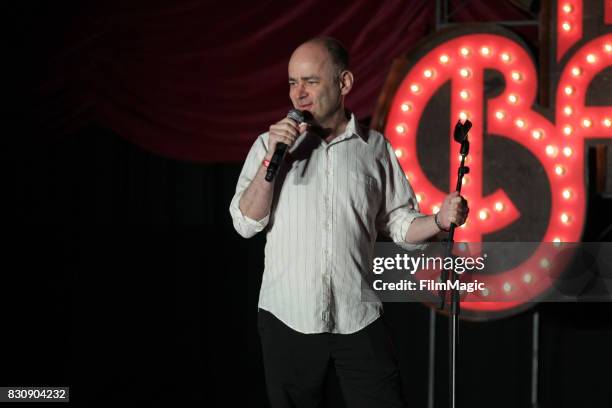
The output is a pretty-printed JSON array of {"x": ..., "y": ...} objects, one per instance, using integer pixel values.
[
  {"x": 337, "y": 52},
  {"x": 311, "y": 53},
  {"x": 333, "y": 49}
]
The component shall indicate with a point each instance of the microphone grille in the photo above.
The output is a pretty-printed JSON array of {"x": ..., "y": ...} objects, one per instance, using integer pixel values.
[{"x": 296, "y": 115}]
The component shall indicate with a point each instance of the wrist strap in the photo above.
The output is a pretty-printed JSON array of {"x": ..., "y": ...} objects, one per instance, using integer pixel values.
[{"x": 437, "y": 221}]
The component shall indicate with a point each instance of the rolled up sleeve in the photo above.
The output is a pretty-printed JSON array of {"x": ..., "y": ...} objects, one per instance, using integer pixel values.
[
  {"x": 399, "y": 206},
  {"x": 244, "y": 225}
]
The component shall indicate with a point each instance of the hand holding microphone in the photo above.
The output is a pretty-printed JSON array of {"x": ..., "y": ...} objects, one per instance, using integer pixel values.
[{"x": 281, "y": 137}]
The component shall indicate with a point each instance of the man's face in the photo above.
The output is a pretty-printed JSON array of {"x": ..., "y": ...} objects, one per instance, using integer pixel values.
[{"x": 313, "y": 83}]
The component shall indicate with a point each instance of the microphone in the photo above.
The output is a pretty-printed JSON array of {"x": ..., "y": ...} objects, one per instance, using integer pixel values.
[{"x": 281, "y": 148}]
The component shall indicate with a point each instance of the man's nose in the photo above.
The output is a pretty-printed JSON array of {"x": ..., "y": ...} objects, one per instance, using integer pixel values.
[{"x": 302, "y": 93}]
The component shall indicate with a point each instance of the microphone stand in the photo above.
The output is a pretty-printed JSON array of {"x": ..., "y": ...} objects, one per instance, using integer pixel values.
[{"x": 460, "y": 136}]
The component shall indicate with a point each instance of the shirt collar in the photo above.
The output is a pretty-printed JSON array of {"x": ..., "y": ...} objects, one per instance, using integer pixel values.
[{"x": 353, "y": 128}]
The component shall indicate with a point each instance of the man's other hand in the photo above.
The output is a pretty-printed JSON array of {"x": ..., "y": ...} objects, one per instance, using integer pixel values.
[{"x": 454, "y": 210}]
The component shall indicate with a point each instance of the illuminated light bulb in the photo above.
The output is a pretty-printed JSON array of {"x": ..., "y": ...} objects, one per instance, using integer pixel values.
[
  {"x": 428, "y": 73},
  {"x": 507, "y": 287},
  {"x": 569, "y": 90},
  {"x": 463, "y": 116},
  {"x": 512, "y": 98},
  {"x": 568, "y": 110},
  {"x": 435, "y": 208},
  {"x": 566, "y": 194},
  {"x": 544, "y": 263},
  {"x": 567, "y": 8},
  {"x": 406, "y": 107},
  {"x": 517, "y": 76},
  {"x": 576, "y": 71},
  {"x": 586, "y": 122},
  {"x": 485, "y": 292},
  {"x": 591, "y": 58},
  {"x": 565, "y": 218},
  {"x": 415, "y": 88},
  {"x": 567, "y": 129},
  {"x": 607, "y": 122},
  {"x": 485, "y": 51},
  {"x": 419, "y": 197},
  {"x": 499, "y": 206},
  {"x": 465, "y": 180},
  {"x": 566, "y": 26},
  {"x": 559, "y": 170},
  {"x": 467, "y": 159},
  {"x": 401, "y": 129},
  {"x": 444, "y": 59},
  {"x": 500, "y": 115},
  {"x": 520, "y": 123},
  {"x": 537, "y": 134},
  {"x": 399, "y": 153},
  {"x": 464, "y": 94},
  {"x": 464, "y": 51},
  {"x": 551, "y": 150},
  {"x": 505, "y": 57},
  {"x": 465, "y": 72},
  {"x": 608, "y": 47},
  {"x": 556, "y": 239},
  {"x": 527, "y": 277},
  {"x": 483, "y": 214},
  {"x": 567, "y": 151},
  {"x": 464, "y": 226}
]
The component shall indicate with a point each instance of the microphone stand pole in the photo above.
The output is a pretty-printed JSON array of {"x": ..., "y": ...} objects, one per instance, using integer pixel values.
[{"x": 460, "y": 136}]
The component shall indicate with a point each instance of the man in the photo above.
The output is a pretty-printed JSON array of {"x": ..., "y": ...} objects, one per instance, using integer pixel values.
[{"x": 339, "y": 186}]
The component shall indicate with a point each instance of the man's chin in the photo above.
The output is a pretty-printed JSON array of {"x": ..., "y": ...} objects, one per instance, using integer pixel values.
[{"x": 310, "y": 116}]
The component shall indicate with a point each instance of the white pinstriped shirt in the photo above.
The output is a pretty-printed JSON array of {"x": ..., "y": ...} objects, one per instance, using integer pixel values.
[{"x": 330, "y": 201}]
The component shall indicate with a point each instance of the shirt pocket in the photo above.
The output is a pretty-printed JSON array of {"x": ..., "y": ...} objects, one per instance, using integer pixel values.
[{"x": 362, "y": 192}]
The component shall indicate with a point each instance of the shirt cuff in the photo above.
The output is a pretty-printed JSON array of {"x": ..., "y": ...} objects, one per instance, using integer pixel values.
[
  {"x": 401, "y": 240},
  {"x": 245, "y": 226}
]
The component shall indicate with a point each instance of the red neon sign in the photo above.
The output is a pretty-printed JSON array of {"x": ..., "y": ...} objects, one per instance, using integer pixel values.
[{"x": 558, "y": 145}]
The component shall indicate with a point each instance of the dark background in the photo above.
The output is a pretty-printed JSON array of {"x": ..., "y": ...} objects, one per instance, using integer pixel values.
[{"x": 123, "y": 277}]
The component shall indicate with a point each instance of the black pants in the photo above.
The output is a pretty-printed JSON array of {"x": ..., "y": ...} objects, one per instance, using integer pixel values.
[{"x": 296, "y": 365}]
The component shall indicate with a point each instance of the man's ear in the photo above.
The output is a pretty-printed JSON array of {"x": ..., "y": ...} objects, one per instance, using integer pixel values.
[{"x": 345, "y": 82}]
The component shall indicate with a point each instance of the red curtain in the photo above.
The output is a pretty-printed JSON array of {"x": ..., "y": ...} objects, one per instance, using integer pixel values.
[{"x": 199, "y": 81}]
